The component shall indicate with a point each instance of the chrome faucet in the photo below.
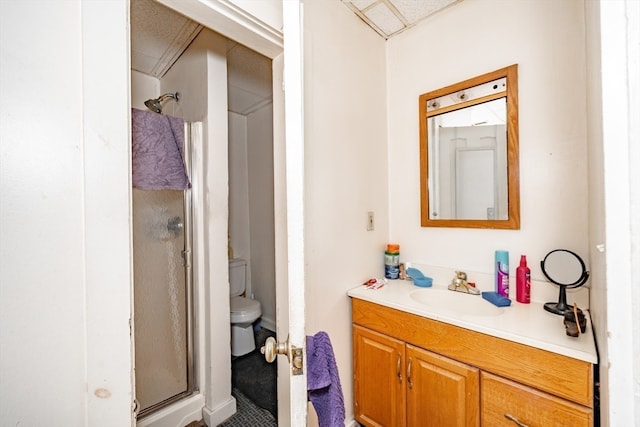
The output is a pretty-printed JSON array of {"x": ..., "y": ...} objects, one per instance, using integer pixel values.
[{"x": 460, "y": 284}]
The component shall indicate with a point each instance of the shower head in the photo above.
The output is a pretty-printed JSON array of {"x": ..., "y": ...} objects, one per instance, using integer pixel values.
[{"x": 155, "y": 105}]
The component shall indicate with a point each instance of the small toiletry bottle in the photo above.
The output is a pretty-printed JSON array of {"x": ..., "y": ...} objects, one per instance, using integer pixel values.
[
  {"x": 523, "y": 282},
  {"x": 502, "y": 273},
  {"x": 392, "y": 261}
]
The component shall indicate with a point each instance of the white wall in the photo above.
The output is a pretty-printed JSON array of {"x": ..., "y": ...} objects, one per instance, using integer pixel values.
[
  {"x": 468, "y": 39},
  {"x": 252, "y": 23},
  {"x": 268, "y": 11},
  {"x": 143, "y": 87},
  {"x": 65, "y": 269},
  {"x": 42, "y": 292},
  {"x": 613, "y": 30},
  {"x": 596, "y": 197},
  {"x": 345, "y": 170},
  {"x": 251, "y": 206},
  {"x": 261, "y": 209},
  {"x": 239, "y": 230}
]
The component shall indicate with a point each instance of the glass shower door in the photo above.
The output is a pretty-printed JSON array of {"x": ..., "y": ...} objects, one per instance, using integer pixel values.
[{"x": 160, "y": 300}]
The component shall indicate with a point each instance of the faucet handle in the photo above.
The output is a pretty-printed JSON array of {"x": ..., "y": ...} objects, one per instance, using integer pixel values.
[
  {"x": 459, "y": 283},
  {"x": 461, "y": 275}
]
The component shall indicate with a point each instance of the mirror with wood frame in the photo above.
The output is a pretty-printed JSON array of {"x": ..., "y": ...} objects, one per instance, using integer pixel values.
[{"x": 469, "y": 173}]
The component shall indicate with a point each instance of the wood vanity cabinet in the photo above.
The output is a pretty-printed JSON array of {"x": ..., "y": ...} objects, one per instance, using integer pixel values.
[
  {"x": 397, "y": 384},
  {"x": 502, "y": 398},
  {"x": 413, "y": 371},
  {"x": 440, "y": 391},
  {"x": 379, "y": 366}
]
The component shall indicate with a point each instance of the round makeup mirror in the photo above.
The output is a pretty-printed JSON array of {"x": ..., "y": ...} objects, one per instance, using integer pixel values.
[{"x": 567, "y": 270}]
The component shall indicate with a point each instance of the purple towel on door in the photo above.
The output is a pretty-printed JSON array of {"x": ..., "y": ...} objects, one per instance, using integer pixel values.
[
  {"x": 157, "y": 151},
  {"x": 323, "y": 383}
]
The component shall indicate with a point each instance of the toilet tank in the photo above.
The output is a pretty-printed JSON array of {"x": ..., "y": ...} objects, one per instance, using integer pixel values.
[{"x": 237, "y": 276}]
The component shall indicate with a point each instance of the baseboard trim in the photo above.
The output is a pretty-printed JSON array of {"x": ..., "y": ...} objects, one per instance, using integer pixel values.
[
  {"x": 216, "y": 416},
  {"x": 177, "y": 414},
  {"x": 267, "y": 323}
]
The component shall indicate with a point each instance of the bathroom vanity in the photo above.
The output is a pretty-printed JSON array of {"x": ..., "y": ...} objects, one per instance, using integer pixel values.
[{"x": 433, "y": 357}]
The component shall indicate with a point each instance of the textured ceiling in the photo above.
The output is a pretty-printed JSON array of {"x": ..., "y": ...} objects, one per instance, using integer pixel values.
[
  {"x": 390, "y": 17},
  {"x": 249, "y": 81},
  {"x": 159, "y": 36}
]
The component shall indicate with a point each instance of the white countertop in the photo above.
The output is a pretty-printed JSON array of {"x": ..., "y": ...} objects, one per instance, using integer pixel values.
[{"x": 528, "y": 324}]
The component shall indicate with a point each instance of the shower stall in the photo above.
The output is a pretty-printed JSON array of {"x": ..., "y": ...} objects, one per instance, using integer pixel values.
[
  {"x": 163, "y": 284},
  {"x": 162, "y": 312}
]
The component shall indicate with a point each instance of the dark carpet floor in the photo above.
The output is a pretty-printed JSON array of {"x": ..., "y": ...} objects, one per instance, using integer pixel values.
[{"x": 256, "y": 378}]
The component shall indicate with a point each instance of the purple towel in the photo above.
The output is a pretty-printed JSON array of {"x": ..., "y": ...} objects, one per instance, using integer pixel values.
[
  {"x": 323, "y": 383},
  {"x": 157, "y": 151}
]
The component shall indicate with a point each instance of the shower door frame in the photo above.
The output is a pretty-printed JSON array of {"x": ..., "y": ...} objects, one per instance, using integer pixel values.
[{"x": 187, "y": 260}]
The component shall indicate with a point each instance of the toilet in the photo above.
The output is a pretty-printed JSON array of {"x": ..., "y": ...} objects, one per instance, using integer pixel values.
[{"x": 244, "y": 311}]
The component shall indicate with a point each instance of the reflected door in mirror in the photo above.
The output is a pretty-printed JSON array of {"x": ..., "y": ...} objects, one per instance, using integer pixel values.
[
  {"x": 468, "y": 178},
  {"x": 469, "y": 153}
]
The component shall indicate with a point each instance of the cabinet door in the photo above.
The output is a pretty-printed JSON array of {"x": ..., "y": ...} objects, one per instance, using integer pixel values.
[
  {"x": 507, "y": 403},
  {"x": 440, "y": 391},
  {"x": 379, "y": 388}
]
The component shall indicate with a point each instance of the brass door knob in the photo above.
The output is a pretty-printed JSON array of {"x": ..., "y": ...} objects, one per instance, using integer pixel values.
[{"x": 272, "y": 348}]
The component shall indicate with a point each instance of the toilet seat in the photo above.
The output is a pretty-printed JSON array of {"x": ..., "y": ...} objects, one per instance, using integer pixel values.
[{"x": 244, "y": 310}]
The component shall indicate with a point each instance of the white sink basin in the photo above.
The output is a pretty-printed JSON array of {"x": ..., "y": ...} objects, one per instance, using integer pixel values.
[{"x": 444, "y": 300}]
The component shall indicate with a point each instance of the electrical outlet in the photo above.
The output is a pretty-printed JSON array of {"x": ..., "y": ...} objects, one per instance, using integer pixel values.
[{"x": 370, "y": 221}]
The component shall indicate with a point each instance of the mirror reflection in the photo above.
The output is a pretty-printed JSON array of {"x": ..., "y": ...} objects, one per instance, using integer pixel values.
[
  {"x": 567, "y": 270},
  {"x": 563, "y": 267},
  {"x": 467, "y": 175},
  {"x": 468, "y": 148}
]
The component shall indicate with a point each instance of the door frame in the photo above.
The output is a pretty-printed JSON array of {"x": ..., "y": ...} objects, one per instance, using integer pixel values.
[
  {"x": 236, "y": 24},
  {"x": 290, "y": 290}
]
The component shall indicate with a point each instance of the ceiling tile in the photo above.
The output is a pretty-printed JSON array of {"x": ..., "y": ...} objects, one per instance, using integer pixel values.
[
  {"x": 414, "y": 10},
  {"x": 390, "y": 17},
  {"x": 363, "y": 4},
  {"x": 383, "y": 18}
]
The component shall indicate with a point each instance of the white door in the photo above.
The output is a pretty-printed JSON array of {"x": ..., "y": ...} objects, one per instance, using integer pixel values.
[
  {"x": 475, "y": 183},
  {"x": 289, "y": 152}
]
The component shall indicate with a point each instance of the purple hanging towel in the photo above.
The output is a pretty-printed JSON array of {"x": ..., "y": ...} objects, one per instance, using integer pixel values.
[
  {"x": 157, "y": 151},
  {"x": 323, "y": 383}
]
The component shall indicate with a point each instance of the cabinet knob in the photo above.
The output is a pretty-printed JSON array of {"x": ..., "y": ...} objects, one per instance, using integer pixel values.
[
  {"x": 399, "y": 368},
  {"x": 409, "y": 380}
]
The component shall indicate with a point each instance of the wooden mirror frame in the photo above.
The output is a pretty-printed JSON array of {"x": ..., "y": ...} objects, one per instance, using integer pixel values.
[{"x": 513, "y": 174}]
